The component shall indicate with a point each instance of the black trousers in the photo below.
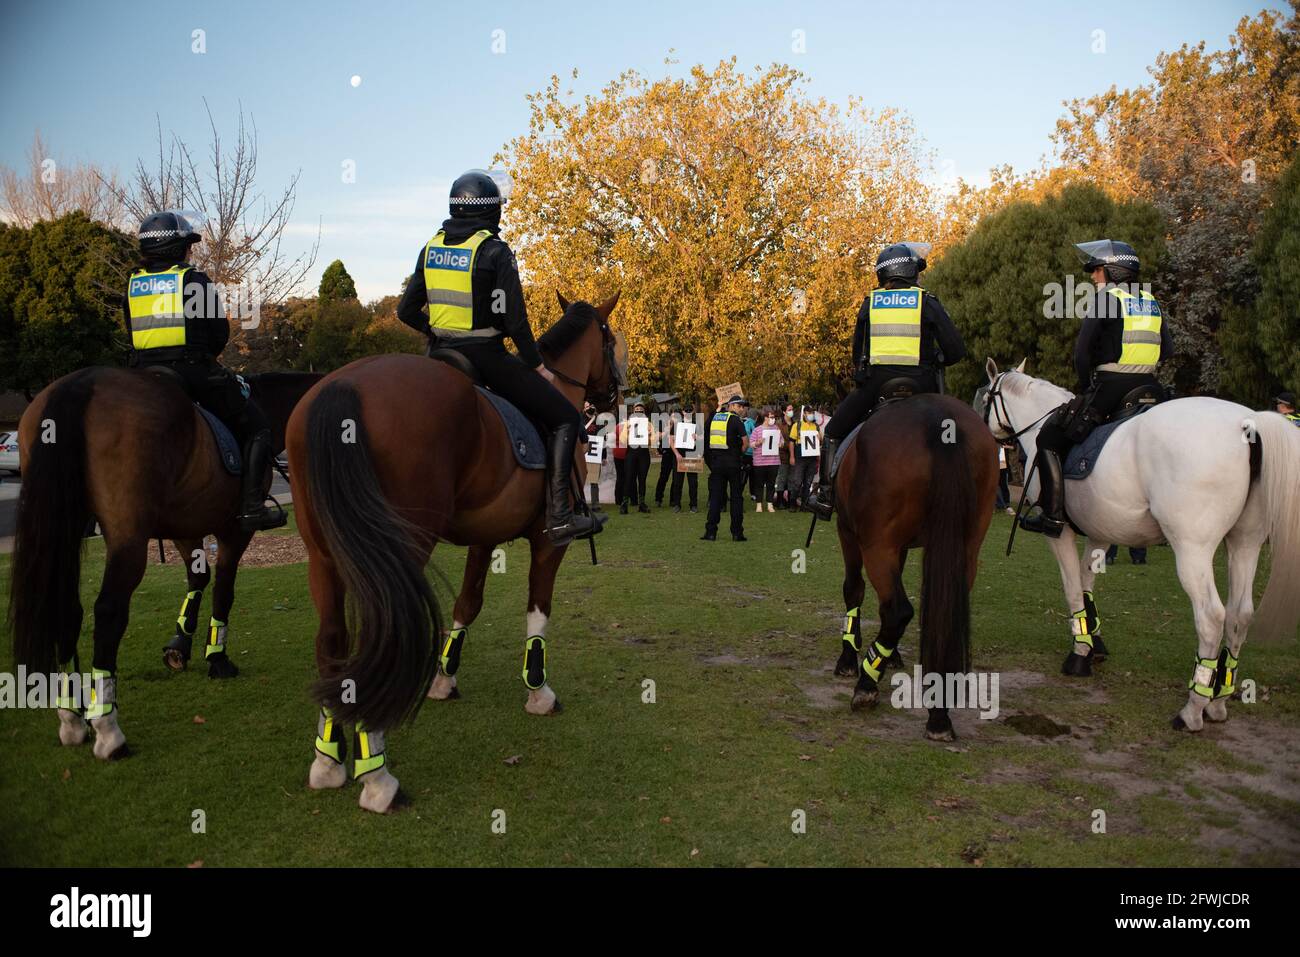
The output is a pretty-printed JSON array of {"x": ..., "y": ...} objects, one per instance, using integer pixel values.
[
  {"x": 765, "y": 481},
  {"x": 1106, "y": 393},
  {"x": 693, "y": 485},
  {"x": 638, "y": 469},
  {"x": 726, "y": 480},
  {"x": 215, "y": 387},
  {"x": 620, "y": 480},
  {"x": 507, "y": 375},
  {"x": 667, "y": 468},
  {"x": 863, "y": 399}
]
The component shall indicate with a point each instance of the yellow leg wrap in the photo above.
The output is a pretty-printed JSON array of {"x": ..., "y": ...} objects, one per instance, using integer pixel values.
[
  {"x": 1079, "y": 627},
  {"x": 1202, "y": 681},
  {"x": 874, "y": 663},
  {"x": 216, "y": 638},
  {"x": 370, "y": 751},
  {"x": 1227, "y": 675},
  {"x": 103, "y": 693},
  {"x": 450, "y": 657},
  {"x": 183, "y": 619},
  {"x": 329, "y": 741},
  {"x": 534, "y": 673},
  {"x": 854, "y": 640}
]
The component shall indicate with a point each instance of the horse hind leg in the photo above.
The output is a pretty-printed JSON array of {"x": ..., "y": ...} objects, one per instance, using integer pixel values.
[
  {"x": 1243, "y": 544},
  {"x": 855, "y": 588},
  {"x": 122, "y": 575},
  {"x": 1093, "y": 564},
  {"x": 176, "y": 653},
  {"x": 328, "y": 768},
  {"x": 468, "y": 604},
  {"x": 1196, "y": 572},
  {"x": 216, "y": 651},
  {"x": 885, "y": 571}
]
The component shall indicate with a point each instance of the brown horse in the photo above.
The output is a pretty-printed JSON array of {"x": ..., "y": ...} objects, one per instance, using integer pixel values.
[
  {"x": 388, "y": 456},
  {"x": 921, "y": 473},
  {"x": 129, "y": 450}
]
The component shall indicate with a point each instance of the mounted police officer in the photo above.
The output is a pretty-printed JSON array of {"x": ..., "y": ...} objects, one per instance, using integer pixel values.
[
  {"x": 1284, "y": 404},
  {"x": 176, "y": 319},
  {"x": 902, "y": 331},
  {"x": 1123, "y": 340},
  {"x": 467, "y": 278}
]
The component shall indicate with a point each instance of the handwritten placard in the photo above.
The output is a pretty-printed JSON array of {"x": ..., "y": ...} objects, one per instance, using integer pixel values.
[
  {"x": 595, "y": 446},
  {"x": 725, "y": 392}
]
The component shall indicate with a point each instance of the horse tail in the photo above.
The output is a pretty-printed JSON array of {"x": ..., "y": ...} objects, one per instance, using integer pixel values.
[
  {"x": 393, "y": 617},
  {"x": 1277, "y": 444},
  {"x": 949, "y": 521},
  {"x": 53, "y": 512}
]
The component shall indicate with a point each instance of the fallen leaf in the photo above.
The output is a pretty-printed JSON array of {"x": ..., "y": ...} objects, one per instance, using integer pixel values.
[
  {"x": 805, "y": 757},
  {"x": 514, "y": 759},
  {"x": 695, "y": 852},
  {"x": 67, "y": 774},
  {"x": 198, "y": 863},
  {"x": 665, "y": 820},
  {"x": 199, "y": 719}
]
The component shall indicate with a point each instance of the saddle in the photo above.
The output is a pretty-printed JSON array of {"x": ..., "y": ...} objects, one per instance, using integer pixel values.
[
  {"x": 525, "y": 438},
  {"x": 1082, "y": 457},
  {"x": 893, "y": 390},
  {"x": 232, "y": 459}
]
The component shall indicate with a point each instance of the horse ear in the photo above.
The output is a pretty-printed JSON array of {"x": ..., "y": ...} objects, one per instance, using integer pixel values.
[
  {"x": 1021, "y": 367},
  {"x": 606, "y": 307},
  {"x": 564, "y": 303},
  {"x": 990, "y": 369}
]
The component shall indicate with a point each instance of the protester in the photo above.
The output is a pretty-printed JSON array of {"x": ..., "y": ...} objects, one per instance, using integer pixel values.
[
  {"x": 804, "y": 466},
  {"x": 765, "y": 465},
  {"x": 637, "y": 432},
  {"x": 667, "y": 461},
  {"x": 679, "y": 453}
]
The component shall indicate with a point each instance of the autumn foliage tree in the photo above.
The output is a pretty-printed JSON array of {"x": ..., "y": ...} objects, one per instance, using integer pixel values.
[{"x": 740, "y": 219}]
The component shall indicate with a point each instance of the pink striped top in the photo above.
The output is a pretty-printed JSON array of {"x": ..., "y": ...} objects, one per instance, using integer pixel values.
[{"x": 756, "y": 440}]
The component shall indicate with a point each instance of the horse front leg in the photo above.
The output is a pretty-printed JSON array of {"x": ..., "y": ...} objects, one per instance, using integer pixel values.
[
  {"x": 216, "y": 650},
  {"x": 1093, "y": 564},
  {"x": 885, "y": 570},
  {"x": 468, "y": 604},
  {"x": 176, "y": 653},
  {"x": 542, "y": 569},
  {"x": 123, "y": 573},
  {"x": 1078, "y": 663},
  {"x": 855, "y": 588}
]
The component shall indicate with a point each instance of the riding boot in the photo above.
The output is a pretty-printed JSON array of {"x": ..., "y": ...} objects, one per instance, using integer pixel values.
[
  {"x": 1050, "y": 519},
  {"x": 594, "y": 501},
  {"x": 254, "y": 515},
  {"x": 822, "y": 502},
  {"x": 562, "y": 525}
]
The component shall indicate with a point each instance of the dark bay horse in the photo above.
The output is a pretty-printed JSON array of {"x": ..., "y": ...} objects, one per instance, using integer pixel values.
[
  {"x": 388, "y": 456},
  {"x": 127, "y": 449},
  {"x": 921, "y": 473}
]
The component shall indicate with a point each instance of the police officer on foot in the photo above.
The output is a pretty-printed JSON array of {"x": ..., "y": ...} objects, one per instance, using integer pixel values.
[
  {"x": 1123, "y": 340},
  {"x": 902, "y": 330},
  {"x": 1284, "y": 403},
  {"x": 723, "y": 455},
  {"x": 176, "y": 319},
  {"x": 463, "y": 275}
]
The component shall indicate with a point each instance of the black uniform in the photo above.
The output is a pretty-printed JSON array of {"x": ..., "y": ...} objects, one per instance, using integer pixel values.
[
  {"x": 208, "y": 382},
  {"x": 726, "y": 477},
  {"x": 938, "y": 337},
  {"x": 505, "y": 374}
]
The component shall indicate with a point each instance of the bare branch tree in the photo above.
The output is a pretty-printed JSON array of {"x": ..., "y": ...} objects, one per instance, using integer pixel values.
[{"x": 50, "y": 189}]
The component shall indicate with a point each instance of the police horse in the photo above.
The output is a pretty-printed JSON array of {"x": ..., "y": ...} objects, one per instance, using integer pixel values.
[
  {"x": 388, "y": 456},
  {"x": 1194, "y": 472},
  {"x": 129, "y": 449}
]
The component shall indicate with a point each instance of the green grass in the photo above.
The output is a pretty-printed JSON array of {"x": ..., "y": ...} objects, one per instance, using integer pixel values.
[{"x": 748, "y": 726}]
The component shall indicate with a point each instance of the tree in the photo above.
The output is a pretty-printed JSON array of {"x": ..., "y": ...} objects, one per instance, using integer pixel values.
[
  {"x": 1006, "y": 284},
  {"x": 1262, "y": 340},
  {"x": 51, "y": 189},
  {"x": 335, "y": 284},
  {"x": 739, "y": 218},
  {"x": 55, "y": 314},
  {"x": 1205, "y": 141}
]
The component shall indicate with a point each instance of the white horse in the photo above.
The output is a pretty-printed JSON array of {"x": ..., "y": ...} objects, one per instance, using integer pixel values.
[{"x": 1192, "y": 472}]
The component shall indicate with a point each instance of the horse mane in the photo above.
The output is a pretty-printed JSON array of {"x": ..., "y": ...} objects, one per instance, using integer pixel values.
[
  {"x": 1021, "y": 383},
  {"x": 568, "y": 328}
]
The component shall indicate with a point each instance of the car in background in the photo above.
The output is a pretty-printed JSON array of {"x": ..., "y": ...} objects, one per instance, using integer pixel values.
[{"x": 8, "y": 452}]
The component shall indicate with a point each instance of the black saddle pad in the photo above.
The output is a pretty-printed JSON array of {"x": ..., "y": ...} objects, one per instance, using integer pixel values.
[
  {"x": 525, "y": 440},
  {"x": 228, "y": 449}
]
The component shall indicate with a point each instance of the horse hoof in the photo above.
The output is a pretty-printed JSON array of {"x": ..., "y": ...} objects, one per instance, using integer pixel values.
[
  {"x": 947, "y": 734},
  {"x": 219, "y": 666},
  {"x": 1217, "y": 711},
  {"x": 174, "y": 660},
  {"x": 120, "y": 752},
  {"x": 326, "y": 774},
  {"x": 72, "y": 728},
  {"x": 863, "y": 700},
  {"x": 444, "y": 688},
  {"x": 845, "y": 671},
  {"x": 1099, "y": 651},
  {"x": 110, "y": 742},
  {"x": 1077, "y": 666},
  {"x": 379, "y": 793},
  {"x": 542, "y": 701}
]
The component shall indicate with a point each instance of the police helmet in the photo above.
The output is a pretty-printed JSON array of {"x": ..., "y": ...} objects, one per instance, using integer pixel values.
[
  {"x": 902, "y": 261},
  {"x": 166, "y": 233},
  {"x": 476, "y": 195},
  {"x": 1120, "y": 260}
]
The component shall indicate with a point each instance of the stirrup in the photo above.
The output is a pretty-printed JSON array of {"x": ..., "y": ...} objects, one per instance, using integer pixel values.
[
  {"x": 264, "y": 519},
  {"x": 1042, "y": 523},
  {"x": 823, "y": 510}
]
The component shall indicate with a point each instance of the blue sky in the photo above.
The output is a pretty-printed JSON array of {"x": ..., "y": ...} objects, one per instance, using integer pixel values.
[{"x": 984, "y": 83}]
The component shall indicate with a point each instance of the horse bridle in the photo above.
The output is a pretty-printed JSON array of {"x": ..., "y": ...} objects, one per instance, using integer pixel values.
[
  {"x": 612, "y": 370},
  {"x": 1004, "y": 423}
]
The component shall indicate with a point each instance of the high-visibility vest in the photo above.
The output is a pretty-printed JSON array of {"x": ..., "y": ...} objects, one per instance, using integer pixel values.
[
  {"x": 1293, "y": 416},
  {"x": 448, "y": 281},
  {"x": 156, "y": 305},
  {"x": 718, "y": 430},
  {"x": 895, "y": 325},
  {"x": 1140, "y": 351}
]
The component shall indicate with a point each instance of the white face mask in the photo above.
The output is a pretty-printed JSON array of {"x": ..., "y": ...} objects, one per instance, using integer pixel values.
[{"x": 771, "y": 420}]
